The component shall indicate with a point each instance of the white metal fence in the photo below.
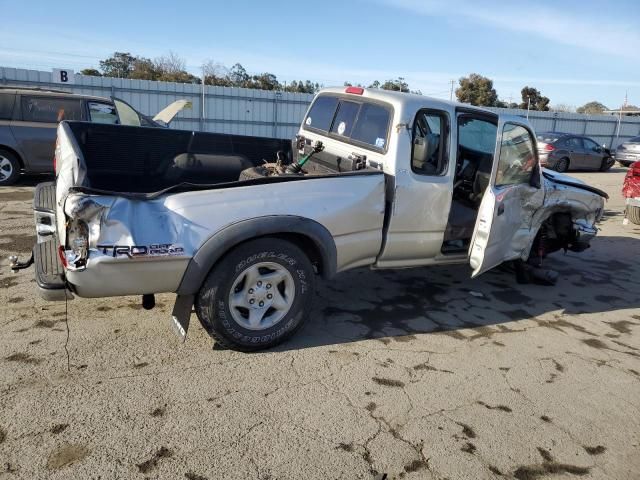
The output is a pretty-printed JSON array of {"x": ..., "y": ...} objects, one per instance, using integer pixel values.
[{"x": 264, "y": 113}]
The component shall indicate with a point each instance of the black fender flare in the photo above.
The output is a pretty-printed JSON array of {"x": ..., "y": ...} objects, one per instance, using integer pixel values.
[{"x": 221, "y": 242}]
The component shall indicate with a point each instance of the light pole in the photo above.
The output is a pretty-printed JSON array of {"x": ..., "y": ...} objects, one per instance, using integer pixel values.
[{"x": 528, "y": 105}]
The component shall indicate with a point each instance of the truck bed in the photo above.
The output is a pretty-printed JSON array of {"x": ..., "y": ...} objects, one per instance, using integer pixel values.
[{"x": 142, "y": 160}]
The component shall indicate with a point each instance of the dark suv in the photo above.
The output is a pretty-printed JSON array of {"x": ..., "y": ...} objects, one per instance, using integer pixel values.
[
  {"x": 29, "y": 118},
  {"x": 564, "y": 151}
]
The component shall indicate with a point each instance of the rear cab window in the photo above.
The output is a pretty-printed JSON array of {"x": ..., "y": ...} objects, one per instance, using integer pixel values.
[
  {"x": 357, "y": 121},
  {"x": 50, "y": 109}
]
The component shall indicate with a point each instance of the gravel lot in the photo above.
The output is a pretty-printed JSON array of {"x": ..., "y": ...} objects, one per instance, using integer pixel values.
[{"x": 404, "y": 373}]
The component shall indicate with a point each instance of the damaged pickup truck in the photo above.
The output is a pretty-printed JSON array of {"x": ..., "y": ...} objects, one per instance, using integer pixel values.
[{"x": 373, "y": 179}]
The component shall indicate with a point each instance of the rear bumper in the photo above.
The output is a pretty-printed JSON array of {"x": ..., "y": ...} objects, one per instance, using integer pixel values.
[
  {"x": 626, "y": 159},
  {"x": 49, "y": 272}
]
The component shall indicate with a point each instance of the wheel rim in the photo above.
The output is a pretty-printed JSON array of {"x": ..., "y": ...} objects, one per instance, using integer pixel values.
[
  {"x": 562, "y": 165},
  {"x": 261, "y": 295},
  {"x": 6, "y": 168}
]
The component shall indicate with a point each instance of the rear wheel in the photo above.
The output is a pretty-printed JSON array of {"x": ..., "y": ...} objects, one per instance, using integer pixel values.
[
  {"x": 9, "y": 168},
  {"x": 607, "y": 163},
  {"x": 633, "y": 214},
  {"x": 257, "y": 296},
  {"x": 562, "y": 165}
]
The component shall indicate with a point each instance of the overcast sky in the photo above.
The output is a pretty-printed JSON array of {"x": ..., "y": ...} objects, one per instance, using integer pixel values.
[{"x": 573, "y": 51}]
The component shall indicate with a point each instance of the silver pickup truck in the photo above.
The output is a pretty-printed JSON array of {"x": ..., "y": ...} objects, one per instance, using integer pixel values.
[{"x": 373, "y": 179}]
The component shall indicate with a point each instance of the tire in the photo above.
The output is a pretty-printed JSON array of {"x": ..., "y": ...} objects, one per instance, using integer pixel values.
[
  {"x": 9, "y": 168},
  {"x": 607, "y": 163},
  {"x": 252, "y": 270},
  {"x": 253, "y": 173},
  {"x": 633, "y": 214},
  {"x": 562, "y": 165}
]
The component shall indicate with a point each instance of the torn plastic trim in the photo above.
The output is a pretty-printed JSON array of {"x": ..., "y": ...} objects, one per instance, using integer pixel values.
[{"x": 582, "y": 186}]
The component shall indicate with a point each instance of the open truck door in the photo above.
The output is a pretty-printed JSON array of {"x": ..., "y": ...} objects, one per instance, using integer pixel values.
[{"x": 513, "y": 195}]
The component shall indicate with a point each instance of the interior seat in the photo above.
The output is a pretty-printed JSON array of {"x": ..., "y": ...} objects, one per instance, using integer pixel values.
[{"x": 425, "y": 151}]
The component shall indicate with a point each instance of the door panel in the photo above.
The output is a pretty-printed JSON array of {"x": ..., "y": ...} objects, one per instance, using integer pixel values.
[
  {"x": 35, "y": 128},
  {"x": 576, "y": 149},
  {"x": 421, "y": 192},
  {"x": 37, "y": 142},
  {"x": 592, "y": 154},
  {"x": 510, "y": 200}
]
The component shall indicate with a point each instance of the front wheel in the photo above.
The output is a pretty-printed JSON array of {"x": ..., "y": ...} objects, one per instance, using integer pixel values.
[
  {"x": 257, "y": 296},
  {"x": 607, "y": 163}
]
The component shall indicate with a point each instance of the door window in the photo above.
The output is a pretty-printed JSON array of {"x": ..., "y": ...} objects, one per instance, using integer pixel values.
[
  {"x": 590, "y": 145},
  {"x": 50, "y": 109},
  {"x": 574, "y": 142},
  {"x": 102, "y": 113},
  {"x": 517, "y": 156},
  {"x": 6, "y": 105},
  {"x": 428, "y": 155}
]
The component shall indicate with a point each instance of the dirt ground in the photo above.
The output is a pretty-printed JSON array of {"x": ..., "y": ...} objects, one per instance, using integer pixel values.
[{"x": 416, "y": 374}]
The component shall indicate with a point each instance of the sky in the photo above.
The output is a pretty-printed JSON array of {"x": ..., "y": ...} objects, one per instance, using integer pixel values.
[{"x": 572, "y": 51}]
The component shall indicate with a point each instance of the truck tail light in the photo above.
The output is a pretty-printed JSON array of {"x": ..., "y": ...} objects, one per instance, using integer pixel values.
[
  {"x": 549, "y": 148},
  {"x": 354, "y": 90},
  {"x": 78, "y": 240}
]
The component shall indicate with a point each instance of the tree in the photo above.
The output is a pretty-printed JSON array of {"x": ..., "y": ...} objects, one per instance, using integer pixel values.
[
  {"x": 144, "y": 69},
  {"x": 397, "y": 85},
  {"x": 238, "y": 76},
  {"x": 562, "y": 107},
  {"x": 533, "y": 99},
  {"x": 91, "y": 72},
  {"x": 592, "y": 108},
  {"x": 476, "y": 90},
  {"x": 119, "y": 65},
  {"x": 264, "y": 81},
  {"x": 375, "y": 84}
]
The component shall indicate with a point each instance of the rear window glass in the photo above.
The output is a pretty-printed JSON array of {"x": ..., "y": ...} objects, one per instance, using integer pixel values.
[
  {"x": 372, "y": 125},
  {"x": 321, "y": 113},
  {"x": 345, "y": 118},
  {"x": 6, "y": 105},
  {"x": 366, "y": 123},
  {"x": 50, "y": 110}
]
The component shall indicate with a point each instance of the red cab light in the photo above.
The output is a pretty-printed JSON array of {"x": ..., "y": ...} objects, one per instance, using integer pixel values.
[{"x": 354, "y": 90}]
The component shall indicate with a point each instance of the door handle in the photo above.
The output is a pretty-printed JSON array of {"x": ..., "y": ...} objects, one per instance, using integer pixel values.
[{"x": 500, "y": 209}]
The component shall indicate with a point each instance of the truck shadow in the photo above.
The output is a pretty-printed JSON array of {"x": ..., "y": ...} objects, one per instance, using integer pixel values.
[{"x": 398, "y": 305}]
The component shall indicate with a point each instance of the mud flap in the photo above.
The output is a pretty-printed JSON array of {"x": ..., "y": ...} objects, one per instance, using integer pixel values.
[{"x": 181, "y": 315}]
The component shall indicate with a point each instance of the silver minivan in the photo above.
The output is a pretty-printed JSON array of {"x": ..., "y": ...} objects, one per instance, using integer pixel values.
[{"x": 29, "y": 118}]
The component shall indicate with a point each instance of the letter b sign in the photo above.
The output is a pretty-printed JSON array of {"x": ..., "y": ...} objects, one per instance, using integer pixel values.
[{"x": 63, "y": 76}]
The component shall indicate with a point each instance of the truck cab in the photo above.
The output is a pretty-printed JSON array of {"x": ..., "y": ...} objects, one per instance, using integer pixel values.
[{"x": 462, "y": 182}]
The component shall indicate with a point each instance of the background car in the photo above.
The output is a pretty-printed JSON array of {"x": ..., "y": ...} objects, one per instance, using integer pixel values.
[
  {"x": 628, "y": 152},
  {"x": 29, "y": 118},
  {"x": 564, "y": 151}
]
